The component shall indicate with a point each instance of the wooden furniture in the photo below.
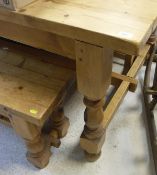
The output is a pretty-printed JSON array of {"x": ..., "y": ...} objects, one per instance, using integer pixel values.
[
  {"x": 88, "y": 32},
  {"x": 32, "y": 92}
]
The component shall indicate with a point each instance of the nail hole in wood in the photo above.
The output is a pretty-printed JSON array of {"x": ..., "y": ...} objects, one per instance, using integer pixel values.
[
  {"x": 80, "y": 59},
  {"x": 81, "y": 50},
  {"x": 66, "y": 15},
  {"x": 20, "y": 87}
]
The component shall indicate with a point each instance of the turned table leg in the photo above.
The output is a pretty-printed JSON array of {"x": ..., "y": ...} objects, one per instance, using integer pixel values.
[
  {"x": 93, "y": 67},
  {"x": 93, "y": 135},
  {"x": 59, "y": 126},
  {"x": 38, "y": 146}
]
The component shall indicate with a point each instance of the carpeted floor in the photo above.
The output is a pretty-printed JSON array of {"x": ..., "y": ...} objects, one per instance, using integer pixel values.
[{"x": 125, "y": 151}]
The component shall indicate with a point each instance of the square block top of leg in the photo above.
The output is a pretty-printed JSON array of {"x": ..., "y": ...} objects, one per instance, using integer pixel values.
[{"x": 32, "y": 82}]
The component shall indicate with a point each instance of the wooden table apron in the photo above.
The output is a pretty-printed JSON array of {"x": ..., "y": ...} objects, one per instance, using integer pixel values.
[{"x": 93, "y": 53}]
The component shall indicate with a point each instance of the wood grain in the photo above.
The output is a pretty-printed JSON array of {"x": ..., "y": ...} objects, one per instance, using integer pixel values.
[
  {"x": 94, "y": 66},
  {"x": 38, "y": 149},
  {"x": 124, "y": 26},
  {"x": 39, "y": 39},
  {"x": 30, "y": 88}
]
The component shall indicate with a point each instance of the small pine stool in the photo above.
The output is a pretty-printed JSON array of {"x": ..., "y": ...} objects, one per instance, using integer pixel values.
[{"x": 33, "y": 86}]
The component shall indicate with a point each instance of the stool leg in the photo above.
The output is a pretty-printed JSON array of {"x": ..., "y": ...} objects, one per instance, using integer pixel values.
[
  {"x": 38, "y": 147},
  {"x": 60, "y": 125}
]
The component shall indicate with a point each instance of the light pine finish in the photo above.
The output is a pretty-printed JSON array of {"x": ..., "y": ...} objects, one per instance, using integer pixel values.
[
  {"x": 48, "y": 41},
  {"x": 23, "y": 73},
  {"x": 93, "y": 136},
  {"x": 94, "y": 66},
  {"x": 123, "y": 88},
  {"x": 117, "y": 79},
  {"x": 129, "y": 59},
  {"x": 33, "y": 88},
  {"x": 38, "y": 147},
  {"x": 39, "y": 39},
  {"x": 96, "y": 28},
  {"x": 123, "y": 26},
  {"x": 96, "y": 121},
  {"x": 59, "y": 125}
]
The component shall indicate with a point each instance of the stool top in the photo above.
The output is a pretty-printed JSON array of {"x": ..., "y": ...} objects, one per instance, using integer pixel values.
[
  {"x": 30, "y": 85},
  {"x": 122, "y": 25}
]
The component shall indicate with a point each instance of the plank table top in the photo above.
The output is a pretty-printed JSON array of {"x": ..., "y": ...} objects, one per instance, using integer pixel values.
[
  {"x": 124, "y": 25},
  {"x": 31, "y": 85}
]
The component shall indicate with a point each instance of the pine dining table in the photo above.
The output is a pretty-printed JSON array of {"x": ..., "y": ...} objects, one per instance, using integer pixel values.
[{"x": 88, "y": 32}]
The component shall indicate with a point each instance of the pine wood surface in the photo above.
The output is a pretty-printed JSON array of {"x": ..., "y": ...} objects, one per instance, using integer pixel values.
[
  {"x": 30, "y": 85},
  {"x": 95, "y": 29},
  {"x": 123, "y": 88},
  {"x": 123, "y": 25}
]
